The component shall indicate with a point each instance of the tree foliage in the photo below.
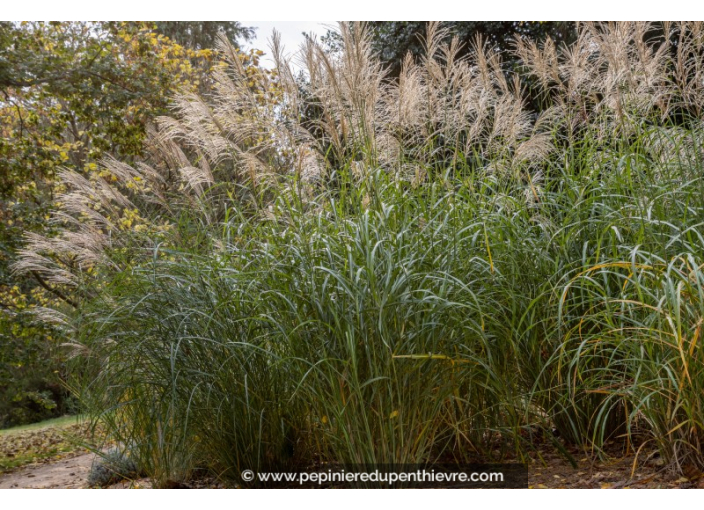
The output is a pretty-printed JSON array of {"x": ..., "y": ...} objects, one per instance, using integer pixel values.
[
  {"x": 393, "y": 40},
  {"x": 199, "y": 35}
]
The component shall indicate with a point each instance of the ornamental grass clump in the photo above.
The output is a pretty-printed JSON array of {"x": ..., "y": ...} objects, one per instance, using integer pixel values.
[{"x": 346, "y": 268}]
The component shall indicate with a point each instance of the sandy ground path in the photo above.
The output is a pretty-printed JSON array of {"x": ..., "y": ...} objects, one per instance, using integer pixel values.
[{"x": 67, "y": 473}]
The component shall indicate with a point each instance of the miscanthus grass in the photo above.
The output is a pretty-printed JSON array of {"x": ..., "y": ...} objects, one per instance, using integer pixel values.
[{"x": 359, "y": 270}]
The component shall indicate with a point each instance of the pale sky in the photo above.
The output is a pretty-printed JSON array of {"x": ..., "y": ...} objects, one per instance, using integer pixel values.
[{"x": 291, "y": 34}]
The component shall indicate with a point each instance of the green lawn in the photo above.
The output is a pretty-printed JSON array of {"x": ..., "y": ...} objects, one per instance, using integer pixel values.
[{"x": 61, "y": 422}]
